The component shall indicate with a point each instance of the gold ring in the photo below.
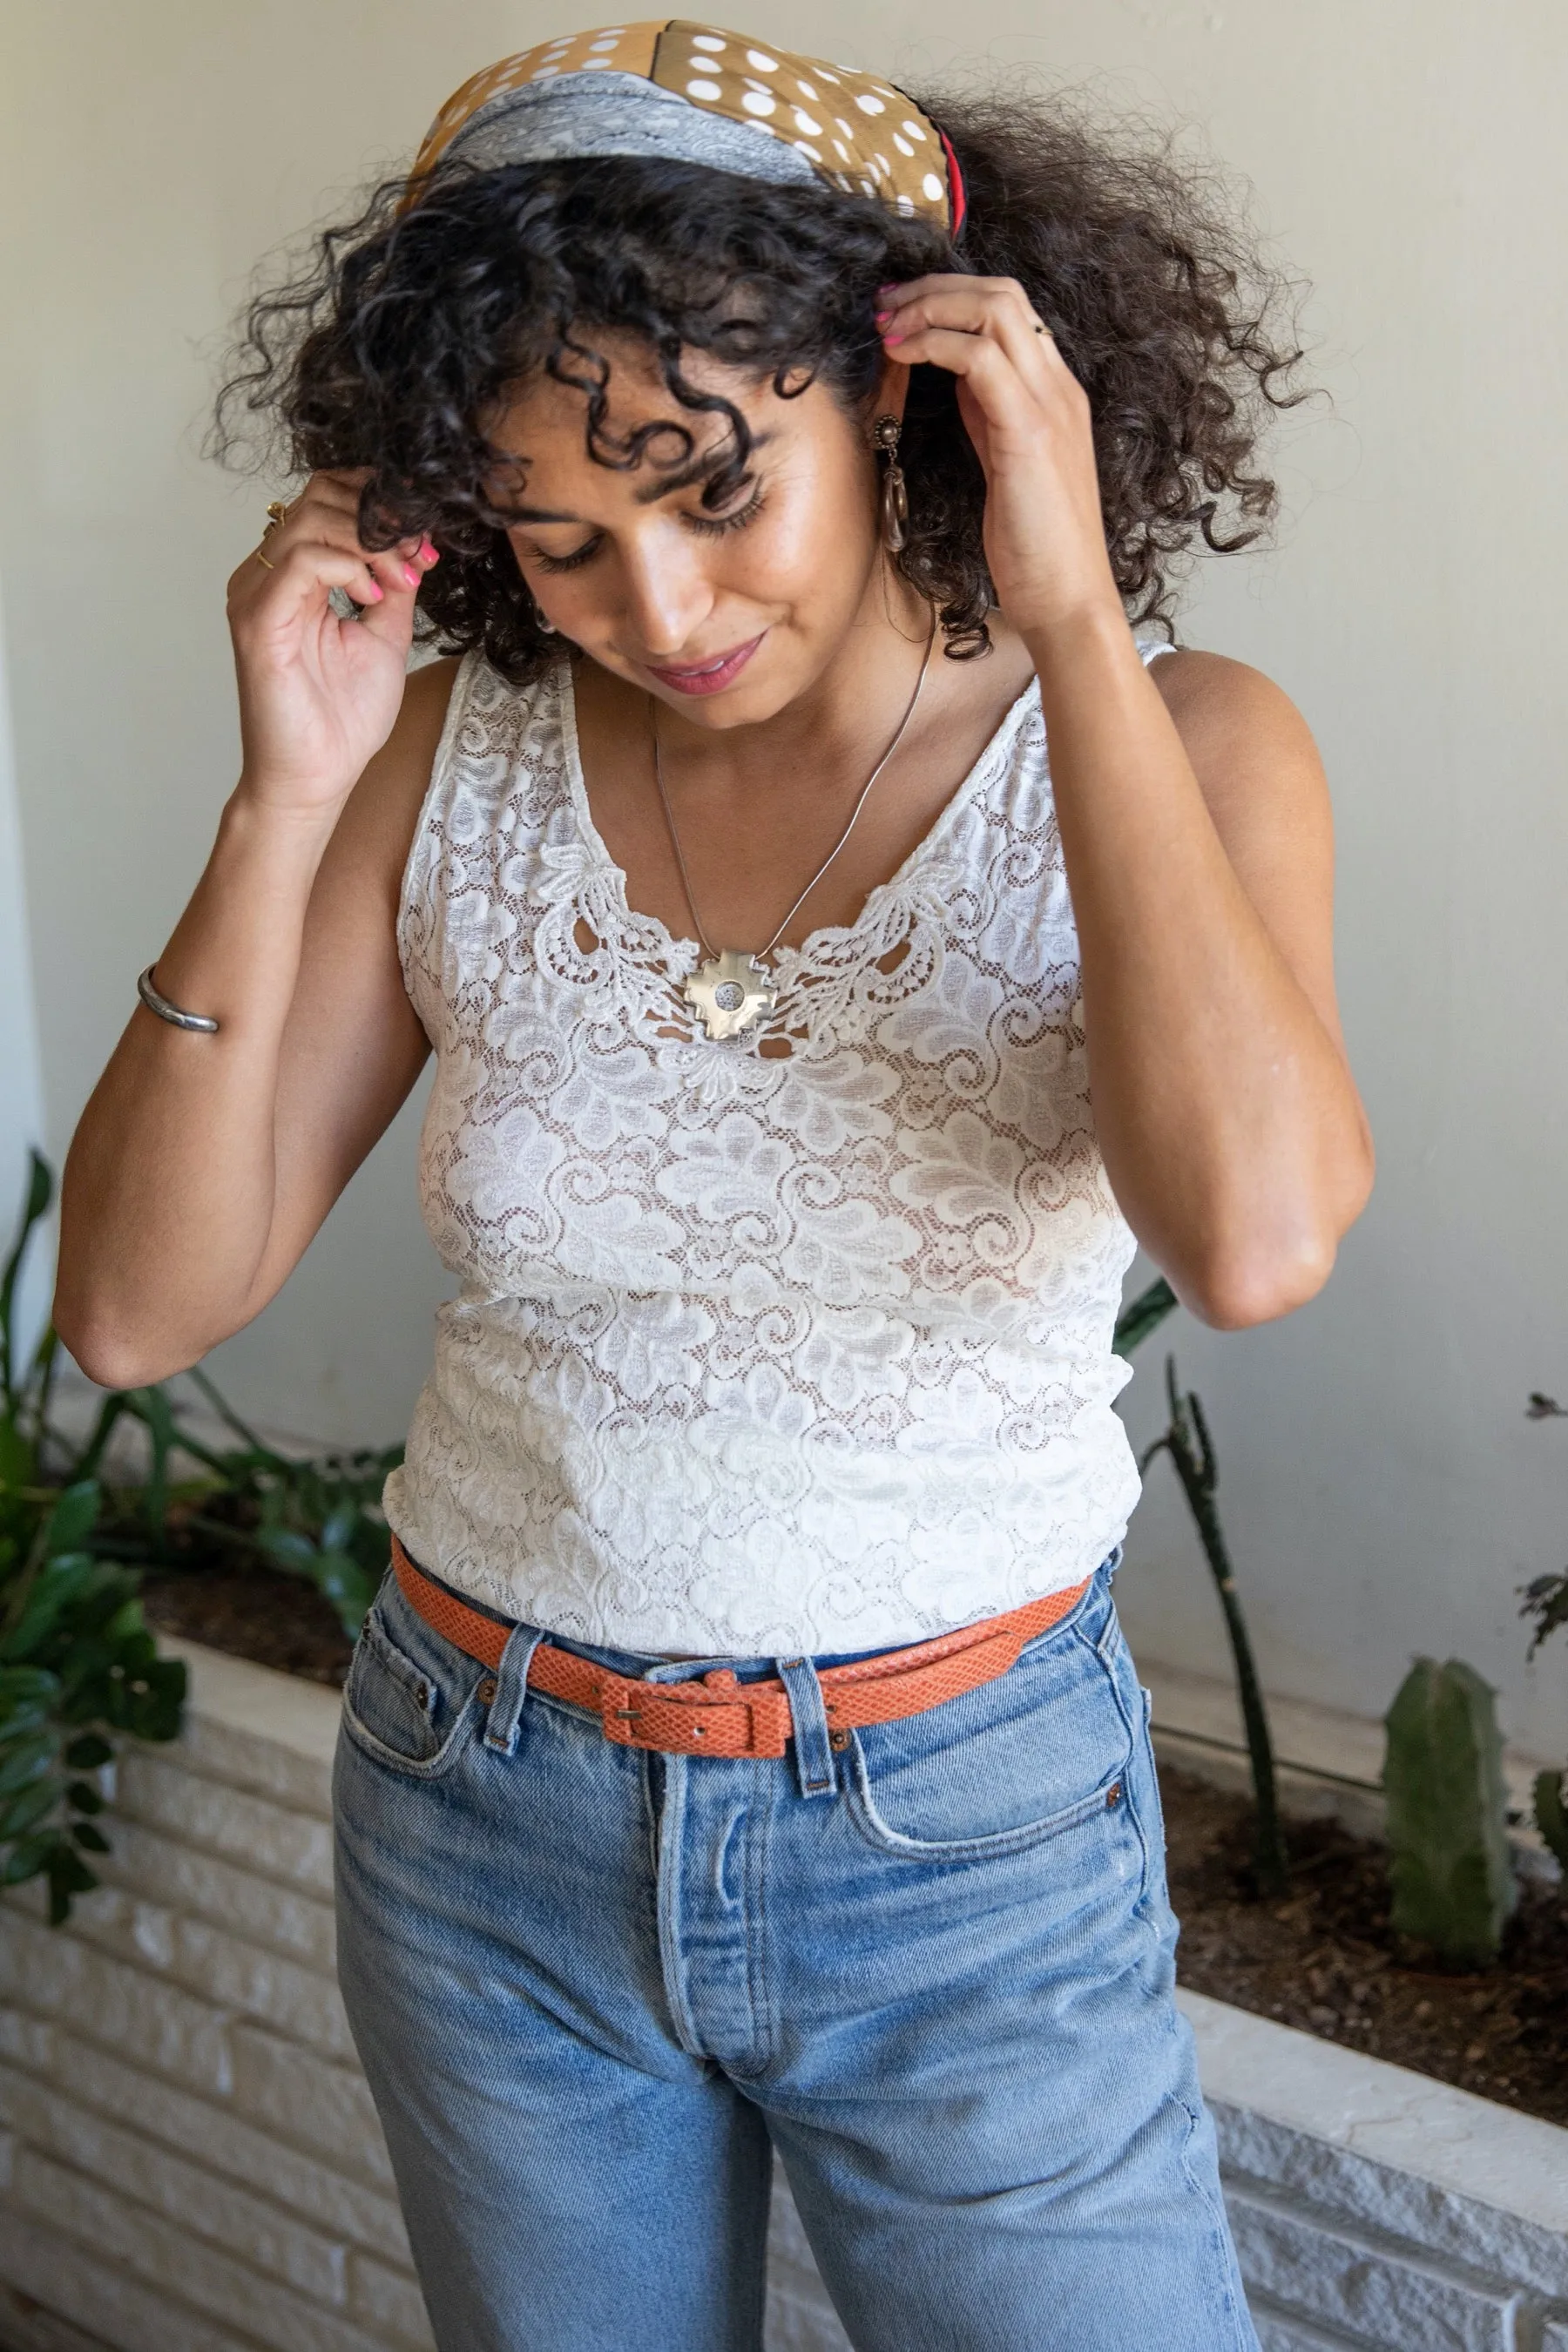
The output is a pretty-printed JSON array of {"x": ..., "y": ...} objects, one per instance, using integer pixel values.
[{"x": 262, "y": 560}]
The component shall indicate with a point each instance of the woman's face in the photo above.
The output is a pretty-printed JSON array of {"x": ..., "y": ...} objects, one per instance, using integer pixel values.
[{"x": 727, "y": 617}]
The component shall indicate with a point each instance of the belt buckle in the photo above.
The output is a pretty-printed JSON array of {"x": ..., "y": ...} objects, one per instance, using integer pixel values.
[{"x": 667, "y": 1717}]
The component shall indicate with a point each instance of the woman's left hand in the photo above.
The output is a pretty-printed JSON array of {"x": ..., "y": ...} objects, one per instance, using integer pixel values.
[{"x": 1029, "y": 418}]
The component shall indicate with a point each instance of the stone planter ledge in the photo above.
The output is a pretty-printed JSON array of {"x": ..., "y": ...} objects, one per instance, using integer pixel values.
[{"x": 190, "y": 2162}]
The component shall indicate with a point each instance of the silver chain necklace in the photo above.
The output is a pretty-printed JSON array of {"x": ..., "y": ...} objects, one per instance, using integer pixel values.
[{"x": 733, "y": 990}]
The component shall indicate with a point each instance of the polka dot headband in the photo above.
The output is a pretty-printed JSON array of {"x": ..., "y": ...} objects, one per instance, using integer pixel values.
[{"x": 700, "y": 95}]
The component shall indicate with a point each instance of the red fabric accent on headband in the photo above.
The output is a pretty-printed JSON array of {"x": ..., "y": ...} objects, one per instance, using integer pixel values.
[{"x": 958, "y": 202}]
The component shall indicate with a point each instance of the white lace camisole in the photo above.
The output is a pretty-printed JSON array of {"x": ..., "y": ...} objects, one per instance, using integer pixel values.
[{"x": 799, "y": 1342}]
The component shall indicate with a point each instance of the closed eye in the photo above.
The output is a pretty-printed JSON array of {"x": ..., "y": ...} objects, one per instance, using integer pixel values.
[{"x": 711, "y": 526}]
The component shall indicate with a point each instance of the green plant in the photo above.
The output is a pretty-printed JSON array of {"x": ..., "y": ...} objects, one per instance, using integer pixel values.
[
  {"x": 1450, "y": 1872},
  {"x": 1552, "y": 1814},
  {"x": 316, "y": 1516},
  {"x": 1190, "y": 1449},
  {"x": 1545, "y": 1599},
  {"x": 78, "y": 1666}
]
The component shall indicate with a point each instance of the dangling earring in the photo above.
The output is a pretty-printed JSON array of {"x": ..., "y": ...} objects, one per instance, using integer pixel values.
[
  {"x": 895, "y": 496},
  {"x": 541, "y": 623}
]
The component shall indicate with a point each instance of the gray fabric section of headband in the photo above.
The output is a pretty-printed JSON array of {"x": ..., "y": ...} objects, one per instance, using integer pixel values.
[{"x": 618, "y": 114}]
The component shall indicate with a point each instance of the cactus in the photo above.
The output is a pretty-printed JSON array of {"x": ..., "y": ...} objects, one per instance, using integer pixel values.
[{"x": 1451, "y": 1874}]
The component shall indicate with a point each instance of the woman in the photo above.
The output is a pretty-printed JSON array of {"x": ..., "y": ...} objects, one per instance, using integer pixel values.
[{"x": 742, "y": 1754}]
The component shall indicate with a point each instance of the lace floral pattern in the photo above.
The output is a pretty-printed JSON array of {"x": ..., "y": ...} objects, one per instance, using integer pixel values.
[{"x": 799, "y": 1342}]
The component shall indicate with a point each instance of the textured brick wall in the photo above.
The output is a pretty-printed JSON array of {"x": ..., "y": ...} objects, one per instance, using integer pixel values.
[{"x": 191, "y": 2163}]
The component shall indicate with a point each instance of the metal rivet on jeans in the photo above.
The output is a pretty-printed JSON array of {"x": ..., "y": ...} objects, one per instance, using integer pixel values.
[
  {"x": 1113, "y": 1794},
  {"x": 487, "y": 1690},
  {"x": 840, "y": 1741}
]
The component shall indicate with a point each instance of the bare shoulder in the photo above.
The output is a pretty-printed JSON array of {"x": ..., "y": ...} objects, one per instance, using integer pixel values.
[
  {"x": 1259, "y": 773},
  {"x": 377, "y": 824},
  {"x": 401, "y": 770},
  {"x": 1245, "y": 737}
]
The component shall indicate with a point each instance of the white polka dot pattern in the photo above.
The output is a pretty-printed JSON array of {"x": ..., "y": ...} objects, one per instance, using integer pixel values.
[{"x": 722, "y": 73}]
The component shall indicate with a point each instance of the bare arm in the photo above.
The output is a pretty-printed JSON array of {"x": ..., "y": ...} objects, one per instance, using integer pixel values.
[
  {"x": 202, "y": 1165},
  {"x": 1195, "y": 825},
  {"x": 1196, "y": 830}
]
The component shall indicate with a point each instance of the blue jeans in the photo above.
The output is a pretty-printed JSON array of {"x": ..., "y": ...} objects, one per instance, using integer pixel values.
[{"x": 594, "y": 1989}]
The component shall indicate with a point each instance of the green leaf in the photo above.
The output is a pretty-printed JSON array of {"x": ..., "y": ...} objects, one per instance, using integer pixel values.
[
  {"x": 29, "y": 1807},
  {"x": 67, "y": 1875},
  {"x": 27, "y": 1696},
  {"x": 1546, "y": 1599},
  {"x": 113, "y": 1410},
  {"x": 158, "y": 1416},
  {"x": 154, "y": 1712},
  {"x": 346, "y": 1585},
  {"x": 22, "y": 1760},
  {"x": 84, "y": 1797},
  {"x": 73, "y": 1518},
  {"x": 294, "y": 1552},
  {"x": 27, "y": 1857},
  {"x": 16, "y": 1457},
  {"x": 90, "y": 1750},
  {"x": 1551, "y": 1814},
  {"x": 1143, "y": 1315},
  {"x": 339, "y": 1526},
  {"x": 226, "y": 1412},
  {"x": 35, "y": 1204},
  {"x": 90, "y": 1840},
  {"x": 60, "y": 1582}
]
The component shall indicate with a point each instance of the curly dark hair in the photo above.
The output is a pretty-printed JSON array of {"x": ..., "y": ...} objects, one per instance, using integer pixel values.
[{"x": 413, "y": 323}]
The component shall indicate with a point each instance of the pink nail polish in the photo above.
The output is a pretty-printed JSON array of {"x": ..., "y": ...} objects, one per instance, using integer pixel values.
[
  {"x": 893, "y": 339},
  {"x": 882, "y": 317},
  {"x": 411, "y": 575},
  {"x": 376, "y": 591},
  {"x": 429, "y": 551}
]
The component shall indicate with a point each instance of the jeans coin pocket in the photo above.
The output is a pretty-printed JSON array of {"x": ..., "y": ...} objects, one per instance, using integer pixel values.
[
  {"x": 406, "y": 1697},
  {"x": 1040, "y": 1750}
]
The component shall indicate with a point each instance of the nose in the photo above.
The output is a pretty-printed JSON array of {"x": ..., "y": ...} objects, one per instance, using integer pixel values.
[{"x": 668, "y": 596}]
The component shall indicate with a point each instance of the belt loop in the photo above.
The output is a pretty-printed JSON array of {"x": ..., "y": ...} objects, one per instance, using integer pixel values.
[
  {"x": 510, "y": 1689},
  {"x": 808, "y": 1714}
]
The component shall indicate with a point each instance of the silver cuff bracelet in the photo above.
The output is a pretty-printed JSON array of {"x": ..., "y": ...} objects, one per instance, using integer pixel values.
[{"x": 172, "y": 1012}]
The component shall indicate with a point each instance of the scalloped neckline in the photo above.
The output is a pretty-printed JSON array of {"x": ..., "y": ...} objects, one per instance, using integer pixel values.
[{"x": 684, "y": 954}]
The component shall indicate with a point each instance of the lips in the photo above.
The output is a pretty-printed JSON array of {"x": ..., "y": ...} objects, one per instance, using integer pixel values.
[{"x": 710, "y": 677}]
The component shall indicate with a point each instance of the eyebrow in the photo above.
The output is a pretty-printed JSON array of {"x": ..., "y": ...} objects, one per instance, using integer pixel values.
[{"x": 695, "y": 469}]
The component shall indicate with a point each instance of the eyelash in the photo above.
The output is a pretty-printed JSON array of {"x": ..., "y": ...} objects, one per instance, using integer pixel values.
[{"x": 712, "y": 526}]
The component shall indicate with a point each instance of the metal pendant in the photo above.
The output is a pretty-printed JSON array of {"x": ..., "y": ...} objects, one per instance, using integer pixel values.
[{"x": 732, "y": 991}]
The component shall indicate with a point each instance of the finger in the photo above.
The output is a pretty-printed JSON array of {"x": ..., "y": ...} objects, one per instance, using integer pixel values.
[
  {"x": 298, "y": 580},
  {"x": 322, "y": 520},
  {"x": 909, "y": 289},
  {"x": 338, "y": 496},
  {"x": 1003, "y": 315},
  {"x": 981, "y": 362}
]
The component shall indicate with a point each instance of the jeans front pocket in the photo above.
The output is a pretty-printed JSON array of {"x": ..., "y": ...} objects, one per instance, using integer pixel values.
[
  {"x": 407, "y": 1700},
  {"x": 1040, "y": 1752}
]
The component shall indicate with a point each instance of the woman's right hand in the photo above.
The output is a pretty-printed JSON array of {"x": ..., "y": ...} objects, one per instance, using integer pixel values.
[{"x": 317, "y": 695}]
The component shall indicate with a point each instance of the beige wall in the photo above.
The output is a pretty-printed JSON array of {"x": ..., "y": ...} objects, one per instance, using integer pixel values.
[{"x": 1385, "y": 1491}]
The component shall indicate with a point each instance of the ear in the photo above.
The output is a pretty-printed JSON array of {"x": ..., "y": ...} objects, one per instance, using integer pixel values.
[{"x": 892, "y": 391}]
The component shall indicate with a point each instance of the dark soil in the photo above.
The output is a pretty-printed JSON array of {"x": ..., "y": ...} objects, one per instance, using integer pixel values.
[
  {"x": 1323, "y": 1959},
  {"x": 253, "y": 1613}
]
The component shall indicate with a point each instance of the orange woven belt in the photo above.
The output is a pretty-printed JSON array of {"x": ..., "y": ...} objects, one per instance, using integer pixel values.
[{"x": 721, "y": 1715}]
